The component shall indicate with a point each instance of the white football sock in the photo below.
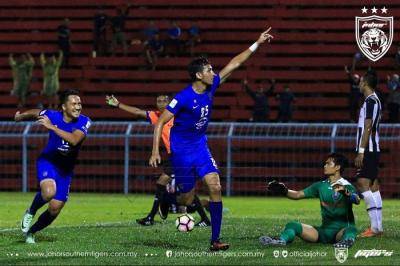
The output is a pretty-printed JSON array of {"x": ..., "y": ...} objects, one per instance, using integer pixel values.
[
  {"x": 378, "y": 200},
  {"x": 371, "y": 209}
]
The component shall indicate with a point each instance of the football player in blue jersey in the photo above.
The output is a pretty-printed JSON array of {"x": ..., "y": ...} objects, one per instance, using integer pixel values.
[
  {"x": 191, "y": 159},
  {"x": 67, "y": 130}
]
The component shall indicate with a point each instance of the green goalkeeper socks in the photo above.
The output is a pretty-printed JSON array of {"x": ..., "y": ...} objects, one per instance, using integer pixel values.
[
  {"x": 349, "y": 233},
  {"x": 292, "y": 229}
]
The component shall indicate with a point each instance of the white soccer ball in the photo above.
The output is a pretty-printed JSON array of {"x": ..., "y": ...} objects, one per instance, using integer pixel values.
[{"x": 184, "y": 223}]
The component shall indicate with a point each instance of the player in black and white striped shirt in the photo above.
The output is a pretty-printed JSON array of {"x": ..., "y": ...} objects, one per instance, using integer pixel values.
[{"x": 367, "y": 160}]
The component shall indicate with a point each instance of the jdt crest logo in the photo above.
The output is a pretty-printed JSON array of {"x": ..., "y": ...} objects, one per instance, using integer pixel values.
[
  {"x": 374, "y": 34},
  {"x": 341, "y": 254}
]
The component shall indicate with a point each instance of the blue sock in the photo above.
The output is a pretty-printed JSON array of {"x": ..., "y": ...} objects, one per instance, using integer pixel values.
[
  {"x": 216, "y": 219},
  {"x": 37, "y": 203}
]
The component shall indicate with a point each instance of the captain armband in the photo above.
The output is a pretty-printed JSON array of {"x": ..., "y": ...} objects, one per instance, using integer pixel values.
[{"x": 354, "y": 198}]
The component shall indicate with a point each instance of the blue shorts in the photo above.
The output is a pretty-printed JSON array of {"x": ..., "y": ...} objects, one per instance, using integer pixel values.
[
  {"x": 47, "y": 170},
  {"x": 190, "y": 166}
]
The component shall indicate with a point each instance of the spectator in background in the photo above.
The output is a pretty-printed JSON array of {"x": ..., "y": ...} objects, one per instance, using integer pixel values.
[
  {"x": 193, "y": 38},
  {"x": 397, "y": 58},
  {"x": 64, "y": 41},
  {"x": 286, "y": 98},
  {"x": 51, "y": 84},
  {"x": 153, "y": 48},
  {"x": 118, "y": 29},
  {"x": 173, "y": 43},
  {"x": 355, "y": 95},
  {"x": 150, "y": 31},
  {"x": 393, "y": 100},
  {"x": 100, "y": 46},
  {"x": 260, "y": 98},
  {"x": 393, "y": 82},
  {"x": 358, "y": 56},
  {"x": 372, "y": 71},
  {"x": 22, "y": 75}
]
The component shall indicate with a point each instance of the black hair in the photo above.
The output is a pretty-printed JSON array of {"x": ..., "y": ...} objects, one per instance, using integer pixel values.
[
  {"x": 163, "y": 94},
  {"x": 197, "y": 65},
  {"x": 371, "y": 79},
  {"x": 339, "y": 159},
  {"x": 65, "y": 94}
]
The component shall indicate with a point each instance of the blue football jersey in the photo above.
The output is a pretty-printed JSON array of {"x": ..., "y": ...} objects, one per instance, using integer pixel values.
[
  {"x": 192, "y": 112},
  {"x": 58, "y": 151}
]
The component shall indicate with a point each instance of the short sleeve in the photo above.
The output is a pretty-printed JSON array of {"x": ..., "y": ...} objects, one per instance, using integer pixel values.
[
  {"x": 312, "y": 191},
  {"x": 44, "y": 112},
  {"x": 84, "y": 125},
  {"x": 148, "y": 116},
  {"x": 351, "y": 188},
  {"x": 151, "y": 117},
  {"x": 176, "y": 104},
  {"x": 216, "y": 83},
  {"x": 370, "y": 108},
  {"x": 49, "y": 113}
]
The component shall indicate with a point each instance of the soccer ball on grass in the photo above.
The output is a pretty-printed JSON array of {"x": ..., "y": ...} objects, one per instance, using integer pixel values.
[{"x": 184, "y": 223}]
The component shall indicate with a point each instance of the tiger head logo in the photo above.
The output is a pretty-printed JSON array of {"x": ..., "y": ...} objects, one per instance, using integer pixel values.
[
  {"x": 375, "y": 41},
  {"x": 374, "y": 35}
]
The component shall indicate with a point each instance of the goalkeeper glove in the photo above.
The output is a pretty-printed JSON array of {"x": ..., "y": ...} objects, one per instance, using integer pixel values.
[{"x": 277, "y": 187}]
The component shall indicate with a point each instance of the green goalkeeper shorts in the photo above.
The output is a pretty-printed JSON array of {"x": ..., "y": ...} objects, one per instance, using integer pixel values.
[{"x": 327, "y": 234}]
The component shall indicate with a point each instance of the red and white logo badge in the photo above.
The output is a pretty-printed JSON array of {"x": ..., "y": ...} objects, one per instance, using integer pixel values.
[{"x": 374, "y": 34}]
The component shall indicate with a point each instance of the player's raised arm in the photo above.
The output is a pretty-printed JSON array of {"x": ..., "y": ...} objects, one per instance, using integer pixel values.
[
  {"x": 60, "y": 56},
  {"x": 238, "y": 60},
  {"x": 155, "y": 158},
  {"x": 42, "y": 59},
  {"x": 31, "y": 114},
  {"x": 281, "y": 189},
  {"x": 11, "y": 60},
  {"x": 113, "y": 101},
  {"x": 31, "y": 59}
]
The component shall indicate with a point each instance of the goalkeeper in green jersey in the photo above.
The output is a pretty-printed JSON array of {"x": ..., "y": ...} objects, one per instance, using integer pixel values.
[{"x": 336, "y": 197}]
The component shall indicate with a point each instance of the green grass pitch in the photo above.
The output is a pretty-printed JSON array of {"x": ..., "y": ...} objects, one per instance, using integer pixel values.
[{"x": 99, "y": 229}]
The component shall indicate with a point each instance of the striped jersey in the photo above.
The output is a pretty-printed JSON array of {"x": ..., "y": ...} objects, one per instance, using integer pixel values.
[{"x": 371, "y": 109}]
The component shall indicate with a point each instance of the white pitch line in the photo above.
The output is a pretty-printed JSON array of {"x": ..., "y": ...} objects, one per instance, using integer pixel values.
[
  {"x": 90, "y": 225},
  {"x": 74, "y": 226},
  {"x": 8, "y": 230}
]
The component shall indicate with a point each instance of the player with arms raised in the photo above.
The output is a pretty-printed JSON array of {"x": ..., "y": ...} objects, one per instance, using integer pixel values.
[
  {"x": 160, "y": 203},
  {"x": 191, "y": 159},
  {"x": 55, "y": 165},
  {"x": 336, "y": 197}
]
